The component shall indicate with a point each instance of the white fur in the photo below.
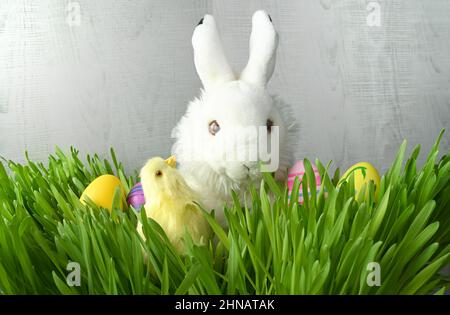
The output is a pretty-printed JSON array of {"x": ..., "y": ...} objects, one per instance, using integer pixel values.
[
  {"x": 263, "y": 47},
  {"x": 234, "y": 102},
  {"x": 210, "y": 61}
]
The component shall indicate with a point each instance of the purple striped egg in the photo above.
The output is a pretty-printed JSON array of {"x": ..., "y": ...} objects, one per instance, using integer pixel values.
[
  {"x": 298, "y": 170},
  {"x": 136, "y": 197}
]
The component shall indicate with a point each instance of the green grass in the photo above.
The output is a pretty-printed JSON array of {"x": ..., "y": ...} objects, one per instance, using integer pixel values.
[{"x": 272, "y": 246}]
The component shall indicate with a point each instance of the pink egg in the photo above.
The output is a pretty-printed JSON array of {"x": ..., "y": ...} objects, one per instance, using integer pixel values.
[{"x": 298, "y": 170}]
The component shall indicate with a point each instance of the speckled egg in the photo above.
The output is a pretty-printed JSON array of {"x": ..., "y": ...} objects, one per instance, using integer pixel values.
[
  {"x": 136, "y": 197},
  {"x": 298, "y": 170}
]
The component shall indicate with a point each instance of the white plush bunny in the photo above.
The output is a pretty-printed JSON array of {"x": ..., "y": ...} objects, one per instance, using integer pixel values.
[{"x": 216, "y": 139}]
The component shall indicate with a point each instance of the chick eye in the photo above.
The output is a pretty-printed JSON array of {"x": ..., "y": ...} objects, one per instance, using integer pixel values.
[
  {"x": 214, "y": 127},
  {"x": 158, "y": 173},
  {"x": 269, "y": 124}
]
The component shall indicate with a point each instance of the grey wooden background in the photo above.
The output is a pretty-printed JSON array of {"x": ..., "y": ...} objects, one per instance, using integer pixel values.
[{"x": 101, "y": 73}]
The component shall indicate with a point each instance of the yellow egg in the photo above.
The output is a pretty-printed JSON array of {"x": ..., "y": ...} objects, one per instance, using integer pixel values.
[
  {"x": 371, "y": 174},
  {"x": 101, "y": 191}
]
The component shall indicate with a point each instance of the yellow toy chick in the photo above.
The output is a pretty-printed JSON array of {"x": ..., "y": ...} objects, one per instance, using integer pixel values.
[{"x": 170, "y": 202}]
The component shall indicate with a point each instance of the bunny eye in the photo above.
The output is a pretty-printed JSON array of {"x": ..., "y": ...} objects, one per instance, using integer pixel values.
[
  {"x": 214, "y": 127},
  {"x": 269, "y": 124}
]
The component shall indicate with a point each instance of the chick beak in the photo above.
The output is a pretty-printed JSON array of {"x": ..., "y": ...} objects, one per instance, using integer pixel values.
[{"x": 171, "y": 161}]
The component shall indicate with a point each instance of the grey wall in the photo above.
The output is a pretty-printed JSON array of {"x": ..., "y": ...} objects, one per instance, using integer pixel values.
[{"x": 123, "y": 75}]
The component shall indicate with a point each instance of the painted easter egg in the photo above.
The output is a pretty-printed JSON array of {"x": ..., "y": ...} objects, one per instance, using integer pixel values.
[
  {"x": 136, "y": 197},
  {"x": 101, "y": 191},
  {"x": 364, "y": 172},
  {"x": 298, "y": 170}
]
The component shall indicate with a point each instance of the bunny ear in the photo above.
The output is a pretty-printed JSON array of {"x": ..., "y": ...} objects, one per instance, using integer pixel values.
[
  {"x": 209, "y": 57},
  {"x": 263, "y": 46}
]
